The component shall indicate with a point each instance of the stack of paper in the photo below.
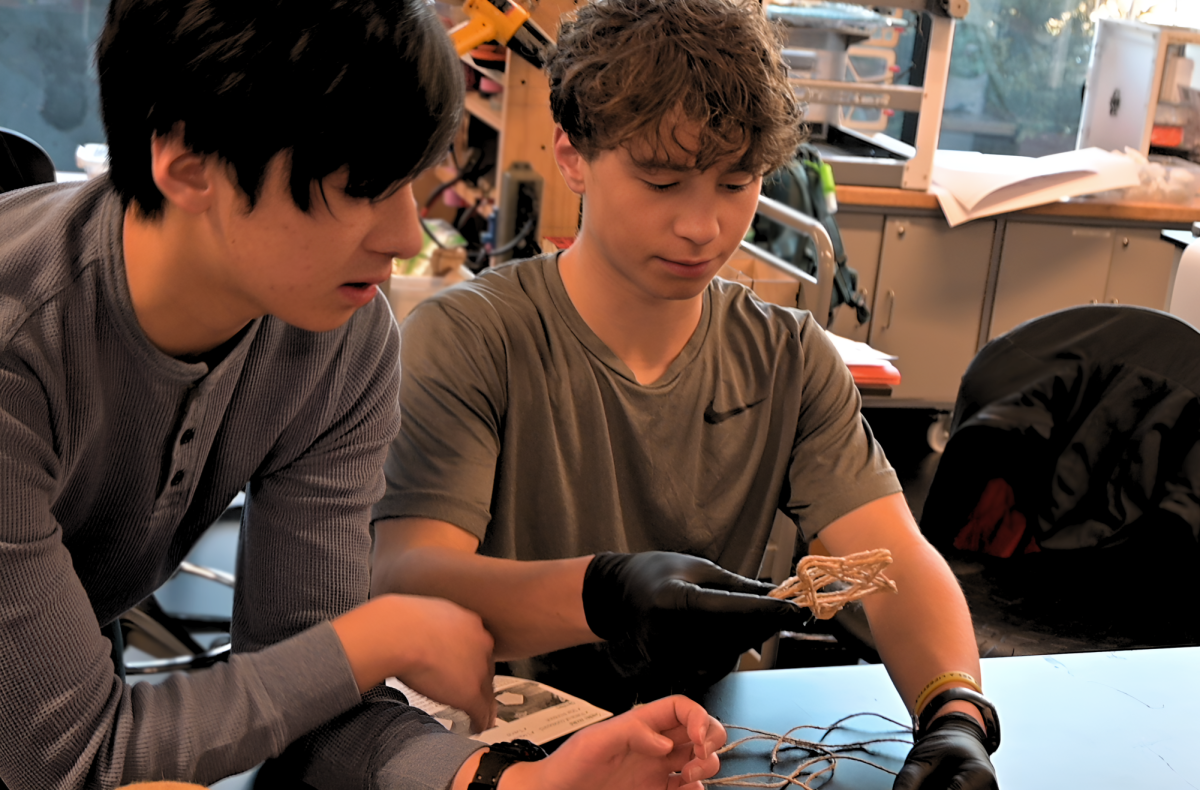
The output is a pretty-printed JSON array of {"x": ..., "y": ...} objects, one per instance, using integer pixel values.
[
  {"x": 970, "y": 185},
  {"x": 869, "y": 366}
]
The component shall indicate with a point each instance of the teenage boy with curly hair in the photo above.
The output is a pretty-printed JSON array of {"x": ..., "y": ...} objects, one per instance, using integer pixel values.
[
  {"x": 594, "y": 443},
  {"x": 204, "y": 321}
]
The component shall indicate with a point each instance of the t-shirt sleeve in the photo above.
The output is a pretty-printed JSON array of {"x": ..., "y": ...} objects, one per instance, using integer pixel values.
[
  {"x": 836, "y": 464},
  {"x": 442, "y": 464}
]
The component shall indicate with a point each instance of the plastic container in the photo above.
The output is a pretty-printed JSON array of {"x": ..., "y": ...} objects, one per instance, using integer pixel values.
[{"x": 1163, "y": 179}]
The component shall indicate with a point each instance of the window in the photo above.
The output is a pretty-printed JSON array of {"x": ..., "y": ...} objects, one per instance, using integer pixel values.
[
  {"x": 1018, "y": 68},
  {"x": 1016, "y": 74},
  {"x": 47, "y": 76}
]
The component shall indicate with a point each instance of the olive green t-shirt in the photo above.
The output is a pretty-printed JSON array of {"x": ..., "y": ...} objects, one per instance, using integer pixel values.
[{"x": 520, "y": 426}]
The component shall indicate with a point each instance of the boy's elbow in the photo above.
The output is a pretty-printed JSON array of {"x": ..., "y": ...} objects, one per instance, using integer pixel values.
[{"x": 409, "y": 554}]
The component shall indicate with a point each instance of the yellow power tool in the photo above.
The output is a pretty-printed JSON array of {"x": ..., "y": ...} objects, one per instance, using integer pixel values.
[{"x": 504, "y": 22}]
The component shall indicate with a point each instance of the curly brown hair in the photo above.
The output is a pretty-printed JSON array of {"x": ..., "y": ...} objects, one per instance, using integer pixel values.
[{"x": 629, "y": 71}]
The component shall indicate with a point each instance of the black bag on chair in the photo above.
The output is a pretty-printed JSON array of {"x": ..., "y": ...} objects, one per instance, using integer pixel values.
[
  {"x": 1071, "y": 480},
  {"x": 798, "y": 184}
]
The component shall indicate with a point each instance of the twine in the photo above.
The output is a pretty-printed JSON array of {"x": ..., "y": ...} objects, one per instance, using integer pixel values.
[
  {"x": 863, "y": 572},
  {"x": 823, "y": 761}
]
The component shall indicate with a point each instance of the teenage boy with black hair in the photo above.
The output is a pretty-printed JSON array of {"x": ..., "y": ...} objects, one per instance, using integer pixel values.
[
  {"x": 618, "y": 398},
  {"x": 205, "y": 320}
]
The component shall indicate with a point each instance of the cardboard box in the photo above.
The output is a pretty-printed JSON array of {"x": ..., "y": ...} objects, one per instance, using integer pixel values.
[{"x": 770, "y": 284}]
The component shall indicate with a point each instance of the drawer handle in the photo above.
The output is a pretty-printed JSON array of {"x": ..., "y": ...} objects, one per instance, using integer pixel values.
[{"x": 891, "y": 309}]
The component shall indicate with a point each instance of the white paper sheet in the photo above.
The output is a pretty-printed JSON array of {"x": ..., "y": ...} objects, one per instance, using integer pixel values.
[
  {"x": 970, "y": 185},
  {"x": 527, "y": 709},
  {"x": 854, "y": 352}
]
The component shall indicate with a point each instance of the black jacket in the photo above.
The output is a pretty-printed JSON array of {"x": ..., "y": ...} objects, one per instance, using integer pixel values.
[{"x": 1091, "y": 414}]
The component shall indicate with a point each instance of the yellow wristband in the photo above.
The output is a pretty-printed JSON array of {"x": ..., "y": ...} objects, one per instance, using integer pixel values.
[{"x": 941, "y": 680}]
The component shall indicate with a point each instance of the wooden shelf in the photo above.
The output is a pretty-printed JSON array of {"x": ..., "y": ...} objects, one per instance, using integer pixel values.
[
  {"x": 479, "y": 106},
  {"x": 524, "y": 127}
]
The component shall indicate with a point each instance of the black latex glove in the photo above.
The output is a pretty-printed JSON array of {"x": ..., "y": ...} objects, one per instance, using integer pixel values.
[
  {"x": 679, "y": 617},
  {"x": 950, "y": 756}
]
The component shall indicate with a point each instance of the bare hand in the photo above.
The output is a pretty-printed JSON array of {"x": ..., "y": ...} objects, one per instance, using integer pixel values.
[
  {"x": 434, "y": 646},
  {"x": 668, "y": 744}
]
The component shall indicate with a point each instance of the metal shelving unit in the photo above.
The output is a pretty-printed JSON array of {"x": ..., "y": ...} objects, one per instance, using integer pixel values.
[{"x": 913, "y": 167}]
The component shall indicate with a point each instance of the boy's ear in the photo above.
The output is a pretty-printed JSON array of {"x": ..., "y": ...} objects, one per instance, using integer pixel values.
[
  {"x": 570, "y": 162},
  {"x": 184, "y": 177}
]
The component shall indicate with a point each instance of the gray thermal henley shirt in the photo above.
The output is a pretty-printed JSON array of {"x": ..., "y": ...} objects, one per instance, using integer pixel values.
[{"x": 114, "y": 458}]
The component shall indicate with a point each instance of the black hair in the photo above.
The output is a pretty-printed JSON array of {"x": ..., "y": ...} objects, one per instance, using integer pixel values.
[{"x": 371, "y": 85}]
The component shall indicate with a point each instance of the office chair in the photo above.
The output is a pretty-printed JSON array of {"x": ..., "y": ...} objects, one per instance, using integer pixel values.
[
  {"x": 1068, "y": 497},
  {"x": 166, "y": 627},
  {"x": 23, "y": 163},
  {"x": 169, "y": 639}
]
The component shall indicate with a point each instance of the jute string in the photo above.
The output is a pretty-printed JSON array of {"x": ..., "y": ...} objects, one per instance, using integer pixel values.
[
  {"x": 821, "y": 758},
  {"x": 858, "y": 575},
  {"x": 861, "y": 573}
]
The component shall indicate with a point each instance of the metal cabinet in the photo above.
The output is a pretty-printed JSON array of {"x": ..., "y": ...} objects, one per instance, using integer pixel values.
[
  {"x": 938, "y": 294},
  {"x": 1045, "y": 267},
  {"x": 928, "y": 301},
  {"x": 1142, "y": 270}
]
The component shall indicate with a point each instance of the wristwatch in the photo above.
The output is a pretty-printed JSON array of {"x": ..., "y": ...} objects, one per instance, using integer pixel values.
[
  {"x": 499, "y": 757},
  {"x": 987, "y": 710}
]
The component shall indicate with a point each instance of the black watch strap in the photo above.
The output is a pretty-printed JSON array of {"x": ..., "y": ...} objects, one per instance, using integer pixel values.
[
  {"x": 987, "y": 710},
  {"x": 499, "y": 757}
]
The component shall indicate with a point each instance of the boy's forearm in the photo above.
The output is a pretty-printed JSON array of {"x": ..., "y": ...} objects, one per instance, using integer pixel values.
[
  {"x": 924, "y": 631},
  {"x": 530, "y": 608},
  {"x": 925, "y": 628}
]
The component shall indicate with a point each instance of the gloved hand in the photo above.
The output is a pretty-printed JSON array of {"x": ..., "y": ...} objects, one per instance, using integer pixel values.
[
  {"x": 679, "y": 617},
  {"x": 949, "y": 755}
]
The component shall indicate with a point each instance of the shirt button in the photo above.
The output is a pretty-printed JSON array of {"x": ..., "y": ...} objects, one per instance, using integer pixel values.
[
  {"x": 178, "y": 478},
  {"x": 188, "y": 435}
]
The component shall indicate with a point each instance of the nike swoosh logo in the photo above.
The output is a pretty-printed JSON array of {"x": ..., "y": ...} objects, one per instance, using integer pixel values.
[{"x": 713, "y": 417}]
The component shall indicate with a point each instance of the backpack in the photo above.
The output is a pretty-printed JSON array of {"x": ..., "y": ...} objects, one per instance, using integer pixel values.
[{"x": 799, "y": 185}]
